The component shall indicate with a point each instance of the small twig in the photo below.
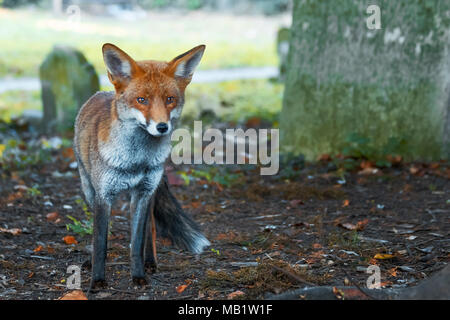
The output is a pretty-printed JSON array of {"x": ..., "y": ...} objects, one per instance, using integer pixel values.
[
  {"x": 358, "y": 287},
  {"x": 125, "y": 291},
  {"x": 293, "y": 276}
]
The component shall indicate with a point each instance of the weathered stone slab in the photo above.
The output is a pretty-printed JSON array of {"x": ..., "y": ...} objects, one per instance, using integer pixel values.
[
  {"x": 383, "y": 84},
  {"x": 67, "y": 81}
]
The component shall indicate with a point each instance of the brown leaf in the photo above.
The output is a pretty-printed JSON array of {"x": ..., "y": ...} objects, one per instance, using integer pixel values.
[
  {"x": 70, "y": 240},
  {"x": 196, "y": 204},
  {"x": 324, "y": 157},
  {"x": 74, "y": 295},
  {"x": 38, "y": 249},
  {"x": 360, "y": 225},
  {"x": 253, "y": 122},
  {"x": 13, "y": 231},
  {"x": 338, "y": 293},
  {"x": 393, "y": 271},
  {"x": 68, "y": 153},
  {"x": 367, "y": 164},
  {"x": 181, "y": 288},
  {"x": 434, "y": 165},
  {"x": 235, "y": 294},
  {"x": 295, "y": 203},
  {"x": 346, "y": 203},
  {"x": 348, "y": 226},
  {"x": 394, "y": 160},
  {"x": 52, "y": 216},
  {"x": 368, "y": 171}
]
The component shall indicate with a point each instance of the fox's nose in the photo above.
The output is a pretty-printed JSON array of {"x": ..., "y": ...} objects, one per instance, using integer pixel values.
[{"x": 162, "y": 127}]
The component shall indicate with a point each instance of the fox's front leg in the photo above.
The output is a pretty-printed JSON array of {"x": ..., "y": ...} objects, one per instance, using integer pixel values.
[
  {"x": 150, "y": 245},
  {"x": 102, "y": 210},
  {"x": 140, "y": 204}
]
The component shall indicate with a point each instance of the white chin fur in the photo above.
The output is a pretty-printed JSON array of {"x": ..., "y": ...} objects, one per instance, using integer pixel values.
[{"x": 200, "y": 242}]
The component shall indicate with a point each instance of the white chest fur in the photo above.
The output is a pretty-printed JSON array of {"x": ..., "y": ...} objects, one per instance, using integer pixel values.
[
  {"x": 133, "y": 158},
  {"x": 130, "y": 148}
]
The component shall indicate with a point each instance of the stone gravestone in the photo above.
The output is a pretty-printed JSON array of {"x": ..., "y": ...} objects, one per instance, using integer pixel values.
[
  {"x": 348, "y": 78},
  {"x": 282, "y": 50},
  {"x": 67, "y": 81}
]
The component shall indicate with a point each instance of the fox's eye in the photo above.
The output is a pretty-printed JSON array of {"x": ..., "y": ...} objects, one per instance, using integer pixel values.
[
  {"x": 170, "y": 100},
  {"x": 141, "y": 100}
]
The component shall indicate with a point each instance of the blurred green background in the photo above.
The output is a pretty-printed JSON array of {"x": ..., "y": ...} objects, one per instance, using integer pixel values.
[{"x": 157, "y": 30}]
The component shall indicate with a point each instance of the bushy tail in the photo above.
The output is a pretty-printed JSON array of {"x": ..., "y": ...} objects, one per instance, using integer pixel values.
[{"x": 173, "y": 223}]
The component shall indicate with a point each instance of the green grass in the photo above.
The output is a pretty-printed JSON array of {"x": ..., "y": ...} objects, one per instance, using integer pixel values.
[
  {"x": 13, "y": 103},
  {"x": 26, "y": 36}
]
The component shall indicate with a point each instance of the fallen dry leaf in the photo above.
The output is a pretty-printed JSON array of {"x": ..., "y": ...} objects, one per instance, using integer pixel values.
[
  {"x": 52, "y": 216},
  {"x": 394, "y": 160},
  {"x": 38, "y": 248},
  {"x": 195, "y": 204},
  {"x": 235, "y": 294},
  {"x": 13, "y": 231},
  {"x": 346, "y": 203},
  {"x": 414, "y": 170},
  {"x": 367, "y": 164},
  {"x": 368, "y": 171},
  {"x": 393, "y": 271},
  {"x": 360, "y": 225},
  {"x": 68, "y": 153},
  {"x": 324, "y": 157},
  {"x": 253, "y": 122},
  {"x": 348, "y": 226},
  {"x": 181, "y": 288},
  {"x": 74, "y": 295},
  {"x": 317, "y": 246},
  {"x": 338, "y": 293},
  {"x": 383, "y": 256},
  {"x": 70, "y": 240},
  {"x": 295, "y": 203}
]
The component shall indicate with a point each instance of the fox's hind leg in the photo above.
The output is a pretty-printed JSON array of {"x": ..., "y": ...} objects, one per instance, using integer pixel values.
[
  {"x": 150, "y": 245},
  {"x": 87, "y": 188},
  {"x": 88, "y": 195}
]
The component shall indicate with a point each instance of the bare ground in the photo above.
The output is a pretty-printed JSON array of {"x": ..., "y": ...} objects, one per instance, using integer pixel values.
[{"x": 269, "y": 235}]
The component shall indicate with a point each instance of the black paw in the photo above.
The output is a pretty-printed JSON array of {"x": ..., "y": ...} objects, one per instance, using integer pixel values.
[
  {"x": 87, "y": 265},
  {"x": 151, "y": 266},
  {"x": 98, "y": 285},
  {"x": 139, "y": 281}
]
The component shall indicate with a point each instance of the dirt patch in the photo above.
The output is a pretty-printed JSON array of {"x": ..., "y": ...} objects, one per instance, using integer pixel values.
[{"x": 313, "y": 229}]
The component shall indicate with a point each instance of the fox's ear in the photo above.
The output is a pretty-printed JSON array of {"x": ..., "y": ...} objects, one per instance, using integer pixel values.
[
  {"x": 121, "y": 67},
  {"x": 184, "y": 65}
]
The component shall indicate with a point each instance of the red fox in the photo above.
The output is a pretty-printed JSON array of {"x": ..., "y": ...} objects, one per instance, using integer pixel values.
[{"x": 121, "y": 143}]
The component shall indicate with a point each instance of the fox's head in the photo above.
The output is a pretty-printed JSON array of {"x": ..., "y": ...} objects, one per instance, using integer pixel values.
[{"x": 150, "y": 93}]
